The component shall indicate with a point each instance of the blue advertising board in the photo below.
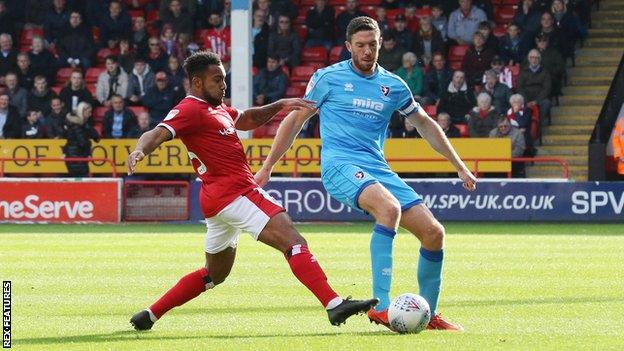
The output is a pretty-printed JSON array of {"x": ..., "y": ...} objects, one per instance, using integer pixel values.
[{"x": 305, "y": 199}]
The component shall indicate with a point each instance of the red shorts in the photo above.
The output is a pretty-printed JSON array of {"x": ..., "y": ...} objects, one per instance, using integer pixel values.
[{"x": 249, "y": 212}]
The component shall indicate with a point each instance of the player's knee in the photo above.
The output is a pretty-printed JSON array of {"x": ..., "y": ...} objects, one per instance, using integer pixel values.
[
  {"x": 390, "y": 212},
  {"x": 433, "y": 237}
]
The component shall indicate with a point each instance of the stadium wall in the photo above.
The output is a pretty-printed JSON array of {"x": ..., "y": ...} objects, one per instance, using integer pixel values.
[{"x": 305, "y": 199}]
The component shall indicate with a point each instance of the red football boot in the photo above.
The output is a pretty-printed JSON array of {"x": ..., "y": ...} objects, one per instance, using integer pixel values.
[
  {"x": 379, "y": 317},
  {"x": 437, "y": 323}
]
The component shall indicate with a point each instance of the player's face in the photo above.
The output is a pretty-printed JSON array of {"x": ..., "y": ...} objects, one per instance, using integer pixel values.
[
  {"x": 213, "y": 85},
  {"x": 364, "y": 49}
]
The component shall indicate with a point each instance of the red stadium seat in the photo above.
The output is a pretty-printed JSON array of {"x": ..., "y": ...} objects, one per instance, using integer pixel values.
[
  {"x": 92, "y": 88},
  {"x": 535, "y": 123},
  {"x": 301, "y": 73},
  {"x": 152, "y": 16},
  {"x": 92, "y": 74},
  {"x": 301, "y": 83},
  {"x": 334, "y": 54},
  {"x": 392, "y": 13},
  {"x": 63, "y": 74},
  {"x": 104, "y": 52},
  {"x": 302, "y": 31},
  {"x": 369, "y": 2},
  {"x": 295, "y": 91},
  {"x": 314, "y": 54},
  {"x": 457, "y": 52},
  {"x": 424, "y": 12},
  {"x": 97, "y": 35},
  {"x": 500, "y": 31},
  {"x": 99, "y": 112},
  {"x": 504, "y": 15},
  {"x": 432, "y": 110},
  {"x": 369, "y": 10},
  {"x": 463, "y": 130},
  {"x": 511, "y": 3},
  {"x": 57, "y": 89},
  {"x": 200, "y": 34},
  {"x": 137, "y": 110},
  {"x": 99, "y": 128},
  {"x": 455, "y": 65},
  {"x": 28, "y": 34},
  {"x": 286, "y": 71},
  {"x": 136, "y": 13}
]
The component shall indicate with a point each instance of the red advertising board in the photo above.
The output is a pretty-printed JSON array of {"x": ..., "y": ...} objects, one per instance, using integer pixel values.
[{"x": 60, "y": 200}]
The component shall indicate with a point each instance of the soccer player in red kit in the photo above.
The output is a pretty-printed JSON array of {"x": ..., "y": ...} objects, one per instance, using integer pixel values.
[{"x": 230, "y": 197}]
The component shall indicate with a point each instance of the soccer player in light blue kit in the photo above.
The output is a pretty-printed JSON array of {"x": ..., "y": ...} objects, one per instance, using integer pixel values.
[{"x": 355, "y": 99}]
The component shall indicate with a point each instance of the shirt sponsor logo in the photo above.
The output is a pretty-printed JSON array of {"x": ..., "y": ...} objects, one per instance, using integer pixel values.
[{"x": 368, "y": 104}]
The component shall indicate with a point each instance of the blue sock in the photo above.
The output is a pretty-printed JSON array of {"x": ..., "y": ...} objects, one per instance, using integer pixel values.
[
  {"x": 381, "y": 262},
  {"x": 430, "y": 276}
]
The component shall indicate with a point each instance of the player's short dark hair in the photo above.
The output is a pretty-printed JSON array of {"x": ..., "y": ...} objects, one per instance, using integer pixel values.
[
  {"x": 361, "y": 23},
  {"x": 198, "y": 63}
]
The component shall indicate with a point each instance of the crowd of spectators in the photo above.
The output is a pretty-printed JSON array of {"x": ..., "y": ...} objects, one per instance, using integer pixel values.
[{"x": 115, "y": 66}]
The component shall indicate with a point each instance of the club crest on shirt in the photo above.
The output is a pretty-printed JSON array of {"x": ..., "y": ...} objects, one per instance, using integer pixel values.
[
  {"x": 359, "y": 175},
  {"x": 227, "y": 131},
  {"x": 385, "y": 90}
]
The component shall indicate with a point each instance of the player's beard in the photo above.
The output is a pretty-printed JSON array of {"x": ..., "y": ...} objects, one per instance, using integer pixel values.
[
  {"x": 364, "y": 66},
  {"x": 211, "y": 99}
]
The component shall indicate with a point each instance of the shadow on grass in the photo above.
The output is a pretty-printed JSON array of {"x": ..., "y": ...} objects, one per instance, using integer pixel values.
[
  {"x": 534, "y": 301},
  {"x": 210, "y": 311},
  {"x": 130, "y": 335}
]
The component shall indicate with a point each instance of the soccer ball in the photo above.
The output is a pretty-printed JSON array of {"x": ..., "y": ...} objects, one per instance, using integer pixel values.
[{"x": 409, "y": 313}]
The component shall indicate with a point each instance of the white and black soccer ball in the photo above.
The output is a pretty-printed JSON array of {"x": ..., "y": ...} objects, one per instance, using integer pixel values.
[{"x": 409, "y": 313}]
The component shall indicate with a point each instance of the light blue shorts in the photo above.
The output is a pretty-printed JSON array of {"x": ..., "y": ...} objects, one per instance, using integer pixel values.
[{"x": 345, "y": 182}]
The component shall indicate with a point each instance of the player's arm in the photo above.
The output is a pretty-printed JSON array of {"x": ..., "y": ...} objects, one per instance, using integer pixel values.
[
  {"x": 286, "y": 134},
  {"x": 434, "y": 135},
  {"x": 254, "y": 117},
  {"x": 147, "y": 143}
]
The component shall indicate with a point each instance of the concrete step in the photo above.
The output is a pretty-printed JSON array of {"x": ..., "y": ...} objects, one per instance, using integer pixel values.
[
  {"x": 606, "y": 32},
  {"x": 548, "y": 139},
  {"x": 600, "y": 90},
  {"x": 607, "y": 22},
  {"x": 573, "y": 112},
  {"x": 577, "y": 174},
  {"x": 561, "y": 150},
  {"x": 601, "y": 15},
  {"x": 598, "y": 60},
  {"x": 608, "y": 6},
  {"x": 609, "y": 51},
  {"x": 570, "y": 129},
  {"x": 582, "y": 100},
  {"x": 588, "y": 80},
  {"x": 574, "y": 121},
  {"x": 604, "y": 42},
  {"x": 592, "y": 71}
]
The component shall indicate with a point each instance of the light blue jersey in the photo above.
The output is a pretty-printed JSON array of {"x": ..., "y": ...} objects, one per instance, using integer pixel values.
[{"x": 355, "y": 111}]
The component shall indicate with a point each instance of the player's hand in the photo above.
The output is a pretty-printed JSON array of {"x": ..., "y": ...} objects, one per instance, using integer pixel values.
[
  {"x": 263, "y": 176},
  {"x": 295, "y": 104},
  {"x": 134, "y": 157},
  {"x": 469, "y": 180}
]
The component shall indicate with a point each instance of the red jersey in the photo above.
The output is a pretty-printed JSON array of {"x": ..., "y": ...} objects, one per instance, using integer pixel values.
[
  {"x": 215, "y": 150},
  {"x": 219, "y": 42}
]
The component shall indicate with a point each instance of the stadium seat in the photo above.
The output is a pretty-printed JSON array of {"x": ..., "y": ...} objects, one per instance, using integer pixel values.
[
  {"x": 295, "y": 91},
  {"x": 392, "y": 13},
  {"x": 463, "y": 130},
  {"x": 63, "y": 74},
  {"x": 314, "y": 54},
  {"x": 424, "y": 12},
  {"x": 28, "y": 34},
  {"x": 92, "y": 88},
  {"x": 334, "y": 54},
  {"x": 432, "y": 110},
  {"x": 92, "y": 74},
  {"x": 369, "y": 10},
  {"x": 254, "y": 70},
  {"x": 301, "y": 83},
  {"x": 504, "y": 15},
  {"x": 137, "y": 110},
  {"x": 152, "y": 16},
  {"x": 457, "y": 52},
  {"x": 99, "y": 128},
  {"x": 500, "y": 31},
  {"x": 302, "y": 31},
  {"x": 455, "y": 65},
  {"x": 136, "y": 13},
  {"x": 96, "y": 33},
  {"x": 57, "y": 89},
  {"x": 511, "y": 3},
  {"x": 104, "y": 52},
  {"x": 535, "y": 124},
  {"x": 372, "y": 3},
  {"x": 98, "y": 113},
  {"x": 338, "y": 9},
  {"x": 301, "y": 73}
]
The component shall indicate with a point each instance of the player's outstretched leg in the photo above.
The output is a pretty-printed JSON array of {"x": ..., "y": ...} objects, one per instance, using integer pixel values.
[
  {"x": 282, "y": 235},
  {"x": 187, "y": 288},
  {"x": 421, "y": 222},
  {"x": 378, "y": 201}
]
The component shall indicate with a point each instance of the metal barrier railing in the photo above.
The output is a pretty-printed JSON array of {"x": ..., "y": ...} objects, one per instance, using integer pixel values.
[{"x": 59, "y": 159}]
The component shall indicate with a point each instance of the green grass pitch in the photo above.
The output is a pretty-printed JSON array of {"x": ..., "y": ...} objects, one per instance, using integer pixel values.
[{"x": 515, "y": 286}]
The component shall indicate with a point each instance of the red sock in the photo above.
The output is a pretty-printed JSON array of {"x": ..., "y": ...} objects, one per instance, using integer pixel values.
[
  {"x": 187, "y": 288},
  {"x": 310, "y": 273}
]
